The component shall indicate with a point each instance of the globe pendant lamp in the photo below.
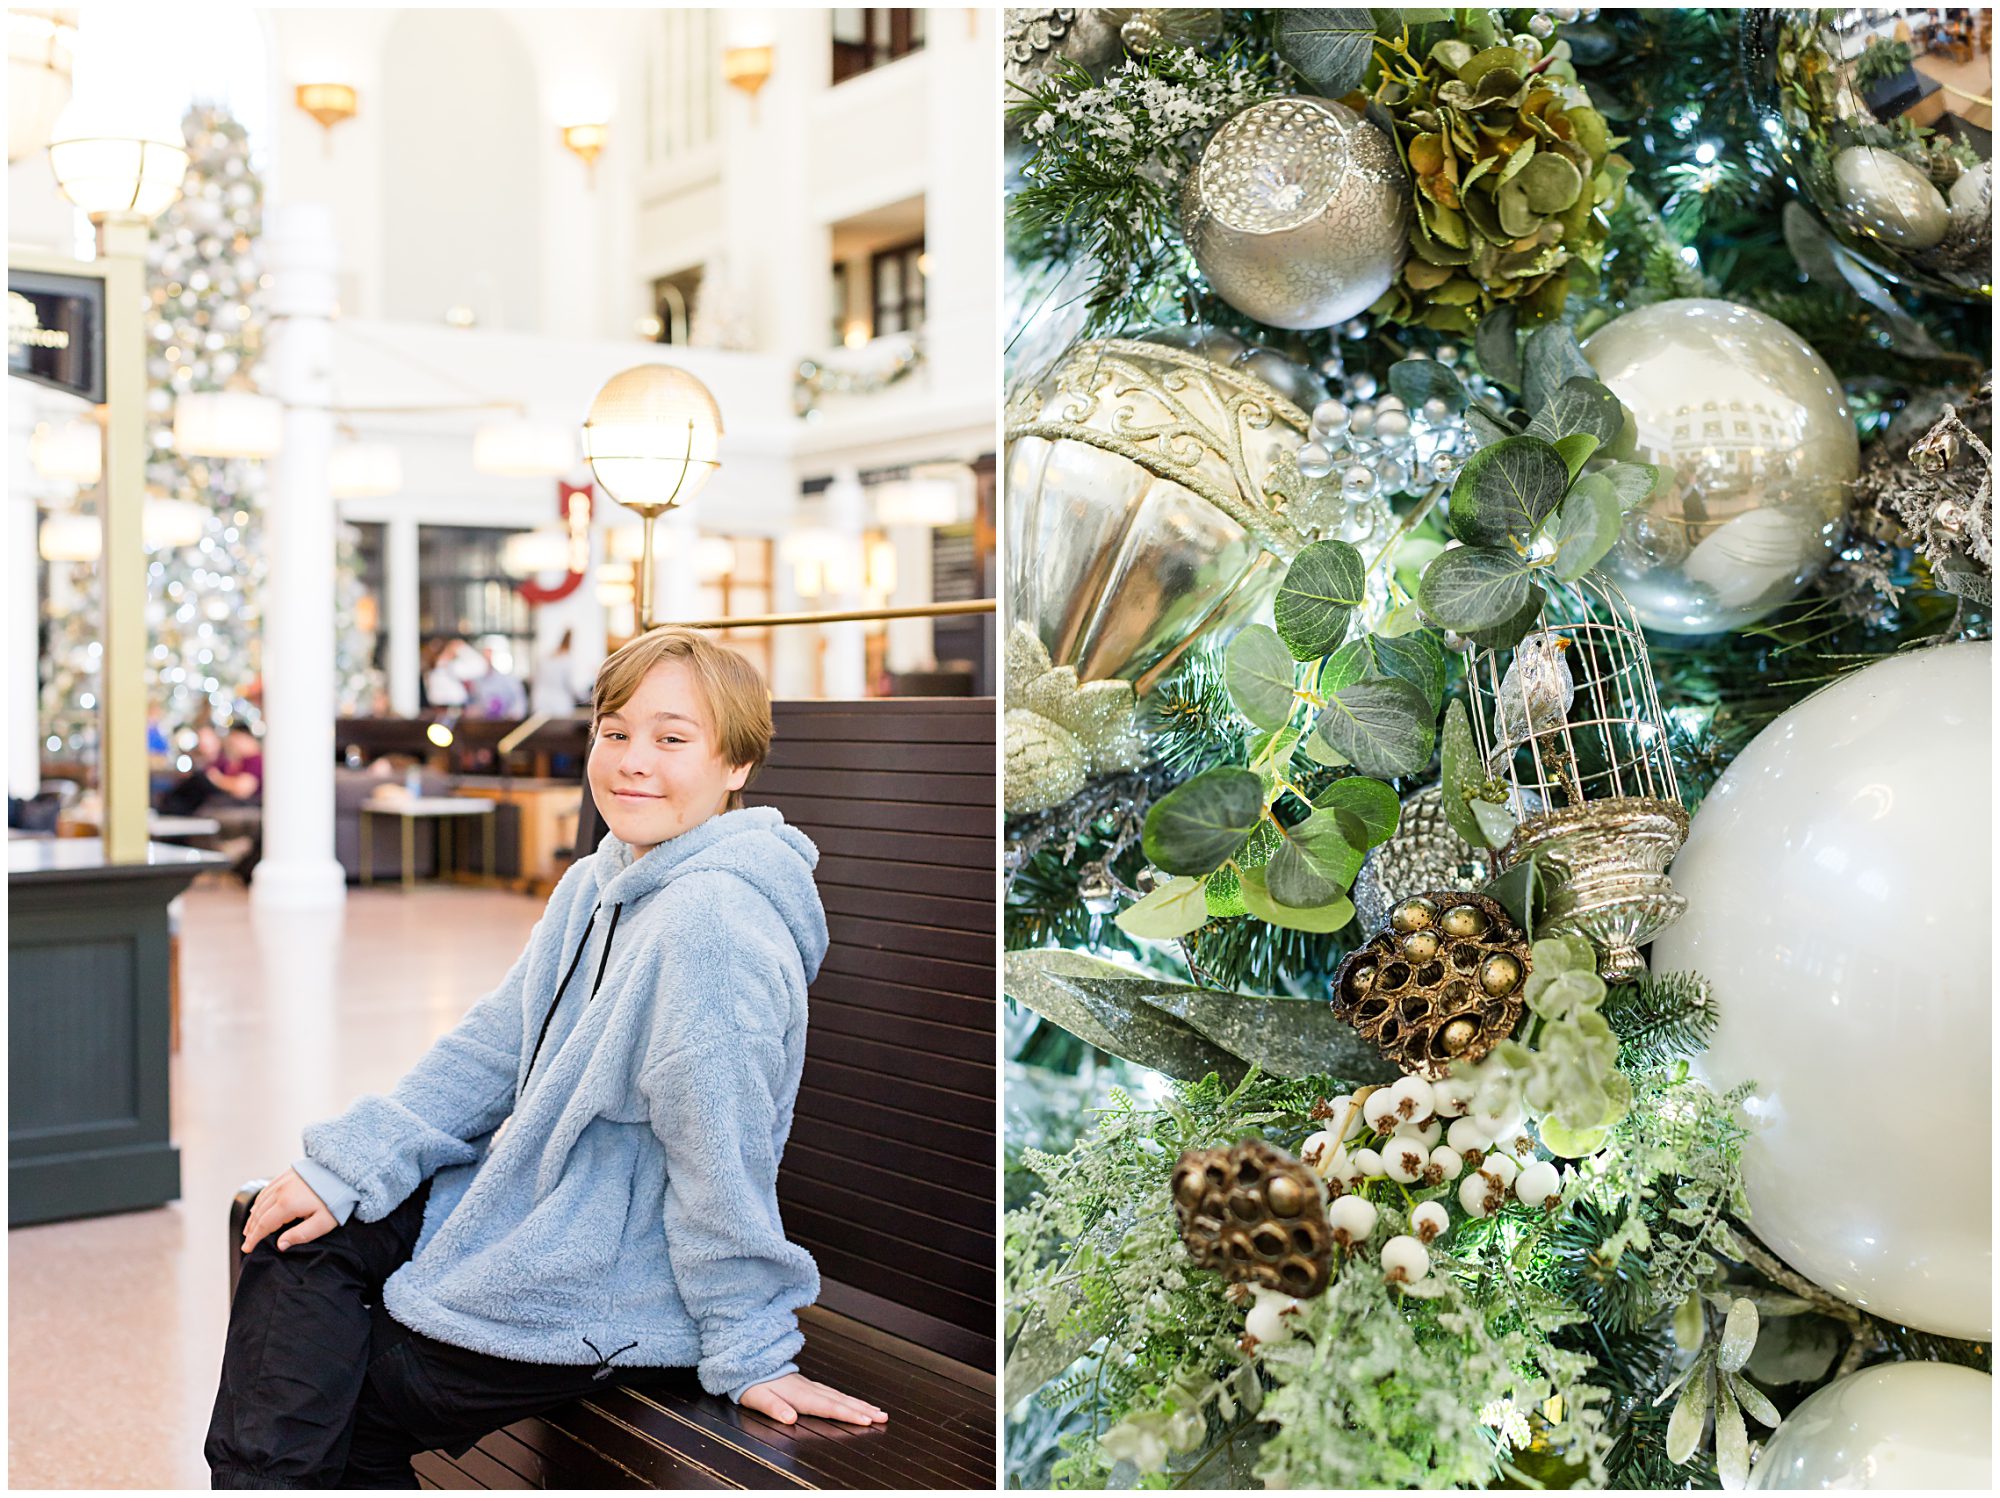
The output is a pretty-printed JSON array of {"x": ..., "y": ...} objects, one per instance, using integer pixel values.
[{"x": 651, "y": 440}]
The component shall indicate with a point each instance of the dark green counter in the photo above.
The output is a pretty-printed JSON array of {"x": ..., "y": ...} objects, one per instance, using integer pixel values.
[{"x": 88, "y": 1128}]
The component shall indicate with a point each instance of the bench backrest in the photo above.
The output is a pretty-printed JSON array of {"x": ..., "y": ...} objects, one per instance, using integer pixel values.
[{"x": 889, "y": 1177}]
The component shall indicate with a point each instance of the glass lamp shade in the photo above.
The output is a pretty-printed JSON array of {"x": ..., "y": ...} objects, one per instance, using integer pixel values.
[
  {"x": 228, "y": 424},
  {"x": 520, "y": 448},
  {"x": 73, "y": 452},
  {"x": 167, "y": 524},
  {"x": 71, "y": 538},
  {"x": 527, "y": 553},
  {"x": 652, "y": 436},
  {"x": 40, "y": 50},
  {"x": 106, "y": 165},
  {"x": 925, "y": 500},
  {"x": 364, "y": 470}
]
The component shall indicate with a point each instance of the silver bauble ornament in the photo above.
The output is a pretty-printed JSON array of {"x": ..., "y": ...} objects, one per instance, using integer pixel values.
[
  {"x": 1839, "y": 886},
  {"x": 1423, "y": 854},
  {"x": 1898, "y": 1427},
  {"x": 1138, "y": 513},
  {"x": 1757, "y": 450},
  {"x": 1297, "y": 212},
  {"x": 1884, "y": 195},
  {"x": 1873, "y": 192},
  {"x": 1164, "y": 28}
]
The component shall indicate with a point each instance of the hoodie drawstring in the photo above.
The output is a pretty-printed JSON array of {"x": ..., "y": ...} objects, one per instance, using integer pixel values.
[
  {"x": 604, "y": 1368},
  {"x": 603, "y": 962}
]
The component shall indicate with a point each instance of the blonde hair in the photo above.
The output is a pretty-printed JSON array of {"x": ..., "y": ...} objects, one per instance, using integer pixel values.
[{"x": 739, "y": 702}]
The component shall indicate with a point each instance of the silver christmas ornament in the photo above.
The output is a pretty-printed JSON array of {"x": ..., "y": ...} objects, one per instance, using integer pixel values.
[
  {"x": 1424, "y": 854},
  {"x": 1297, "y": 212},
  {"x": 1887, "y": 197},
  {"x": 1757, "y": 451},
  {"x": 1161, "y": 28}
]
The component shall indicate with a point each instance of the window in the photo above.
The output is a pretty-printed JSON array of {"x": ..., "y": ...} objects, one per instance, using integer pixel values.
[
  {"x": 865, "y": 39},
  {"x": 896, "y": 277},
  {"x": 465, "y": 593}
]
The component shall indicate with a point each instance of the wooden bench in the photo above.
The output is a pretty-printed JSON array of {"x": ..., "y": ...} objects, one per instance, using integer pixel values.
[{"x": 889, "y": 1177}]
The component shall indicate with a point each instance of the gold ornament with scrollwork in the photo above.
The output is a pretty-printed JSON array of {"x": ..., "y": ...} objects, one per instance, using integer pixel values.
[{"x": 1139, "y": 503}]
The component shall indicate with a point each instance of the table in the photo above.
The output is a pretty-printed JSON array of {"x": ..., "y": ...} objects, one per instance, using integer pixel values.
[
  {"x": 411, "y": 811},
  {"x": 545, "y": 819},
  {"x": 166, "y": 829}
]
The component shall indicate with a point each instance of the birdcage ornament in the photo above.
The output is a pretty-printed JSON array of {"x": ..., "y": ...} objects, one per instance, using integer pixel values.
[{"x": 1569, "y": 721}]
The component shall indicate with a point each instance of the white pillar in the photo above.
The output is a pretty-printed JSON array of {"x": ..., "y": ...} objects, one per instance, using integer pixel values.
[
  {"x": 403, "y": 617},
  {"x": 846, "y": 644},
  {"x": 24, "y": 657},
  {"x": 912, "y": 646},
  {"x": 298, "y": 871}
]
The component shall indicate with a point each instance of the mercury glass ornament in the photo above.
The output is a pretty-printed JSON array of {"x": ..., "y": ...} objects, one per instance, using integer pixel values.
[
  {"x": 1297, "y": 212},
  {"x": 1889, "y": 198},
  {"x": 1137, "y": 517},
  {"x": 1423, "y": 854},
  {"x": 1757, "y": 451},
  {"x": 1874, "y": 193}
]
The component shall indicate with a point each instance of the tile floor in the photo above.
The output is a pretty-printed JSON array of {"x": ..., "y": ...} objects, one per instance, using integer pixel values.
[{"x": 115, "y": 1323}]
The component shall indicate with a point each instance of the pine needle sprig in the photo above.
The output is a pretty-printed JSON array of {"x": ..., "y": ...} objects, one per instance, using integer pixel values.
[{"x": 1660, "y": 1018}]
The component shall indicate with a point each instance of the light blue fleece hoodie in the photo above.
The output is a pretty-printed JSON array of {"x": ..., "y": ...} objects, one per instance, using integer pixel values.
[{"x": 626, "y": 1211}]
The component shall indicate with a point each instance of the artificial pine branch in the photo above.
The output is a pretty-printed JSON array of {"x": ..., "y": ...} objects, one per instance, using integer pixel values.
[{"x": 1660, "y": 1018}]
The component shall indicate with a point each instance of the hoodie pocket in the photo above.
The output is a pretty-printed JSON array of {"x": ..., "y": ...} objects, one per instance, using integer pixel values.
[{"x": 552, "y": 1261}]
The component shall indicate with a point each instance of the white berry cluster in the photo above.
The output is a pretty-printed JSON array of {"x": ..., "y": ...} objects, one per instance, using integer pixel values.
[{"x": 1467, "y": 1130}]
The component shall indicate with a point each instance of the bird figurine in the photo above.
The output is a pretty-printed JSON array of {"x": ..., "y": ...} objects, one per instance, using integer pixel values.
[{"x": 1536, "y": 692}]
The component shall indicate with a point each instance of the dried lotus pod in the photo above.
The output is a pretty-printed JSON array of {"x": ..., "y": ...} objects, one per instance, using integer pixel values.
[
  {"x": 1256, "y": 1216},
  {"x": 1442, "y": 982}
]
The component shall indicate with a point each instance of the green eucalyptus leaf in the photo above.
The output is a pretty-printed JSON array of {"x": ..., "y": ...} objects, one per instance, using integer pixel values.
[
  {"x": 1322, "y": 919},
  {"x": 1416, "y": 381},
  {"x": 1576, "y": 449},
  {"x": 1260, "y": 676},
  {"x": 1195, "y": 827},
  {"x": 1509, "y": 634},
  {"x": 1549, "y": 359},
  {"x": 1315, "y": 862},
  {"x": 1320, "y": 592},
  {"x": 1329, "y": 48},
  {"x": 1587, "y": 526},
  {"x": 1518, "y": 890},
  {"x": 1581, "y": 407},
  {"x": 1633, "y": 483},
  {"x": 1383, "y": 725},
  {"x": 1485, "y": 426},
  {"x": 1506, "y": 490},
  {"x": 1223, "y": 894},
  {"x": 1474, "y": 587},
  {"x": 1498, "y": 345},
  {"x": 1371, "y": 803},
  {"x": 1320, "y": 752},
  {"x": 1460, "y": 772},
  {"x": 1572, "y": 1143},
  {"x": 1494, "y": 820},
  {"x": 1406, "y": 618},
  {"x": 1174, "y": 909},
  {"x": 1415, "y": 658},
  {"x": 1739, "y": 1336}
]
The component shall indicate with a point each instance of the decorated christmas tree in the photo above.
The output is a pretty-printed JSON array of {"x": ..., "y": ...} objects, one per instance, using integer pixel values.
[
  {"x": 1499, "y": 516},
  {"x": 205, "y": 330}
]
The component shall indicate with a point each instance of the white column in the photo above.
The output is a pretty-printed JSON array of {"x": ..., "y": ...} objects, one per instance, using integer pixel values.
[
  {"x": 846, "y": 644},
  {"x": 912, "y": 646},
  {"x": 24, "y": 678},
  {"x": 403, "y": 617},
  {"x": 298, "y": 871}
]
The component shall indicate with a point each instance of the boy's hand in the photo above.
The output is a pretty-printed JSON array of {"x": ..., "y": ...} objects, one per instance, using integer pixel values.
[
  {"x": 785, "y": 1399},
  {"x": 287, "y": 1199}
]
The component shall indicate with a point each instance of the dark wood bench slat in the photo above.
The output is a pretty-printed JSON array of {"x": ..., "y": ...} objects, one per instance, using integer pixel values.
[
  {"x": 826, "y": 1093},
  {"x": 962, "y": 1011},
  {"x": 949, "y": 881},
  {"x": 927, "y": 911},
  {"x": 853, "y": 929},
  {"x": 974, "y": 792},
  {"x": 948, "y": 1288},
  {"x": 906, "y": 1032},
  {"x": 966, "y": 979},
  {"x": 832, "y": 1199},
  {"x": 893, "y": 1062},
  {"x": 902, "y": 1156},
  {"x": 901, "y": 837}
]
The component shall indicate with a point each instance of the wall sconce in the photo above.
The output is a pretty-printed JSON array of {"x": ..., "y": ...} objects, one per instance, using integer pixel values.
[
  {"x": 587, "y": 143},
  {"x": 329, "y": 103},
  {"x": 748, "y": 68}
]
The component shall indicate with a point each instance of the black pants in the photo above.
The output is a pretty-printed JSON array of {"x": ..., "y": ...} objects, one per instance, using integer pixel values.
[{"x": 321, "y": 1388}]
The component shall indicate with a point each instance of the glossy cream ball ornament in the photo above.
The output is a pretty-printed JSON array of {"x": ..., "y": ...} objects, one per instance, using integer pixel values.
[
  {"x": 1839, "y": 885},
  {"x": 1297, "y": 212},
  {"x": 1757, "y": 450},
  {"x": 1897, "y": 1427}
]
